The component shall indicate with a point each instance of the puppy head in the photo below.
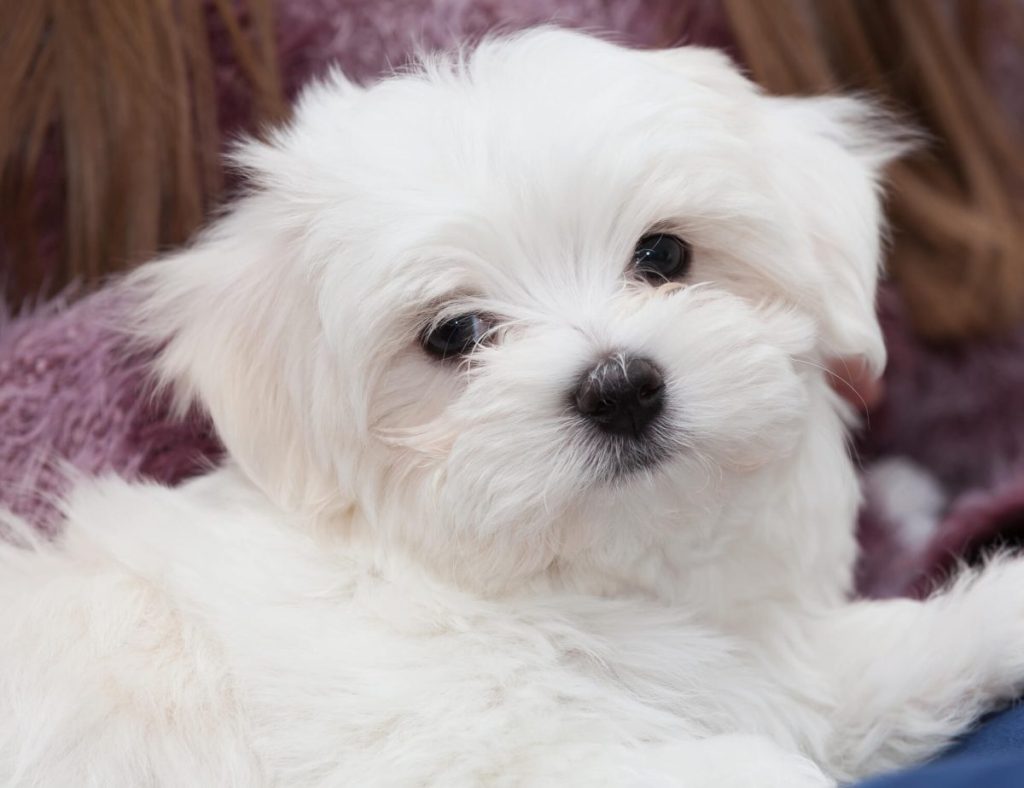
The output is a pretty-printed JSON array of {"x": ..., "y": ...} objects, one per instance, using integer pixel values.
[{"x": 519, "y": 300}]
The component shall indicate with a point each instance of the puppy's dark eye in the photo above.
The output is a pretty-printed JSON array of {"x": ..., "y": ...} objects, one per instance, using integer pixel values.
[
  {"x": 661, "y": 258},
  {"x": 456, "y": 336}
]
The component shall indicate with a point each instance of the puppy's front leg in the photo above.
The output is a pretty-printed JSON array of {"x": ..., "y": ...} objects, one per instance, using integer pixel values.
[{"x": 910, "y": 676}]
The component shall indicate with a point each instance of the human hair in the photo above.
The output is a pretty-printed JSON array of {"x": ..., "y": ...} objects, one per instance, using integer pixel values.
[{"x": 110, "y": 128}]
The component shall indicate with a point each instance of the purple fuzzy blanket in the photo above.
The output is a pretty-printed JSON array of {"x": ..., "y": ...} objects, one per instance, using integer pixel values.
[{"x": 943, "y": 457}]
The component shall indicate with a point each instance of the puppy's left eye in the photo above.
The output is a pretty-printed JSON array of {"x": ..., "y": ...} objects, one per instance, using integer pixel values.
[
  {"x": 661, "y": 258},
  {"x": 456, "y": 336}
]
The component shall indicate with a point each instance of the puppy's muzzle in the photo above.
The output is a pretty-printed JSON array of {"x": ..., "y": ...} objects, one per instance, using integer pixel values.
[{"x": 621, "y": 395}]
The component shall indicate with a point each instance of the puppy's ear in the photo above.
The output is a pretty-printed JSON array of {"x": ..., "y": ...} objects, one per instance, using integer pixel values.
[
  {"x": 827, "y": 156},
  {"x": 237, "y": 319},
  {"x": 237, "y": 330}
]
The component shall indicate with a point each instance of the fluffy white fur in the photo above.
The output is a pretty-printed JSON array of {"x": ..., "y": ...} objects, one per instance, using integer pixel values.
[{"x": 412, "y": 572}]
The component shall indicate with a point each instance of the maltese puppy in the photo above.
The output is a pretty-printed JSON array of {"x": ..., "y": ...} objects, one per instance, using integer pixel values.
[{"x": 535, "y": 475}]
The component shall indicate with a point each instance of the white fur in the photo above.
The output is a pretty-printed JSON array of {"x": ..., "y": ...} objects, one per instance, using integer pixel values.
[{"x": 412, "y": 572}]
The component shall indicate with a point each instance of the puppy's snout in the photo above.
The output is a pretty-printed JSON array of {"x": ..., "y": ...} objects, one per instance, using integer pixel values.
[{"x": 621, "y": 395}]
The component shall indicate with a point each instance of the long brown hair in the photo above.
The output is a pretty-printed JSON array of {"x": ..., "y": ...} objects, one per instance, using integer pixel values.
[
  {"x": 958, "y": 213},
  {"x": 120, "y": 94}
]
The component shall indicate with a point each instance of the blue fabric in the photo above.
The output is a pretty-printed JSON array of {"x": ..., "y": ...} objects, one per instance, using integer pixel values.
[
  {"x": 1005, "y": 771},
  {"x": 990, "y": 757},
  {"x": 1001, "y": 734}
]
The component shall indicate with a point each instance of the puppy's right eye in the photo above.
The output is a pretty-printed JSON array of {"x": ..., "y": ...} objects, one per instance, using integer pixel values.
[{"x": 455, "y": 337}]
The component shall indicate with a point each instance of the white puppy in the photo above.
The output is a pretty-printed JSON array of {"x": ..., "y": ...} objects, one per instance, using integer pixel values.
[{"x": 535, "y": 475}]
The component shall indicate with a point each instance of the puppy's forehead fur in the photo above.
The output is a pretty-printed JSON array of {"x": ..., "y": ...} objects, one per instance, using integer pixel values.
[{"x": 553, "y": 153}]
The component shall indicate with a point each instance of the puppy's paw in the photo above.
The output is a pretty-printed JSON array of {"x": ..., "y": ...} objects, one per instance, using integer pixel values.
[{"x": 982, "y": 615}]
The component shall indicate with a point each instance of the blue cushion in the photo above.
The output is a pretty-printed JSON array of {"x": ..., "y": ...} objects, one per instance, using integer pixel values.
[{"x": 992, "y": 756}]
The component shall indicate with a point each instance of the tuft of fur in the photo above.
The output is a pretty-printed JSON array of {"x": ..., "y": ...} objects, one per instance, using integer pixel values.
[{"x": 409, "y": 571}]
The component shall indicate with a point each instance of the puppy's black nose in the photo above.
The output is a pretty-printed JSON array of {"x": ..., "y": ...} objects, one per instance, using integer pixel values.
[{"x": 621, "y": 395}]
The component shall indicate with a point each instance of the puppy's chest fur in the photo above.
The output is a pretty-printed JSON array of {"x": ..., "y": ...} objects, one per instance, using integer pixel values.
[{"x": 215, "y": 615}]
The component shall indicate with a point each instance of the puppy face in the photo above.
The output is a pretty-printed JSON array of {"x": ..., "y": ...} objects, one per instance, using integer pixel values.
[{"x": 514, "y": 303}]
